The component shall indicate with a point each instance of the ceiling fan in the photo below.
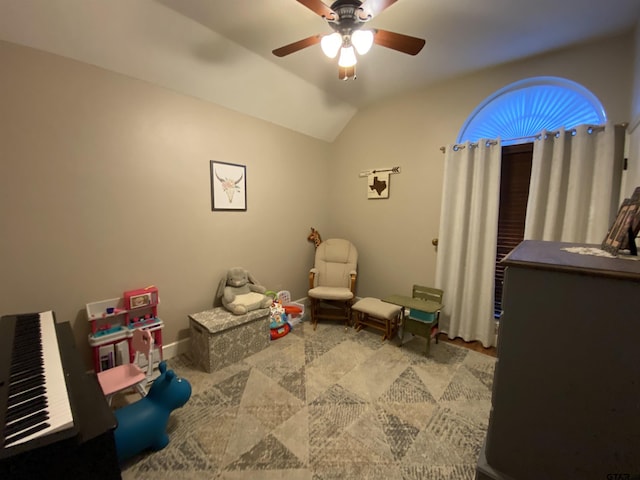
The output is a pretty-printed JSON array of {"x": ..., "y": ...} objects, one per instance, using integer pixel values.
[{"x": 346, "y": 18}]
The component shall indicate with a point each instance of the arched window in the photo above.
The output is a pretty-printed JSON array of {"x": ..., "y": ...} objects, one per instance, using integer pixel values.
[
  {"x": 516, "y": 114},
  {"x": 525, "y": 108}
]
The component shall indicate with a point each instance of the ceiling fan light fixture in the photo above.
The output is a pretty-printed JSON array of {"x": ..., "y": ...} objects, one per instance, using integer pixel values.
[
  {"x": 362, "y": 40},
  {"x": 331, "y": 44},
  {"x": 348, "y": 41},
  {"x": 347, "y": 57}
]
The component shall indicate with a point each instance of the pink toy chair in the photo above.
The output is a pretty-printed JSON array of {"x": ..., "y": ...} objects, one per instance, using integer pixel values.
[{"x": 130, "y": 375}]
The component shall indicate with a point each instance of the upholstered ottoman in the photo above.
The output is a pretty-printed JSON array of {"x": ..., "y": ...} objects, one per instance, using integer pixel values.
[
  {"x": 374, "y": 313},
  {"x": 220, "y": 338}
]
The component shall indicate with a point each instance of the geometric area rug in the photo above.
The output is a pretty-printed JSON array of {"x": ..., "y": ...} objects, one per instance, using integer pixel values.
[{"x": 326, "y": 405}]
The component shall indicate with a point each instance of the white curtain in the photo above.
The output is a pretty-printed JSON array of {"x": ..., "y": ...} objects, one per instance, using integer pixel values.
[
  {"x": 575, "y": 184},
  {"x": 465, "y": 266}
]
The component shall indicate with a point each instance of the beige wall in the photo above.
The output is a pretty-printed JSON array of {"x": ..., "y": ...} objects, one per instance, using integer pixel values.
[
  {"x": 104, "y": 187},
  {"x": 635, "y": 109},
  {"x": 632, "y": 175},
  {"x": 104, "y": 183},
  {"x": 394, "y": 235}
]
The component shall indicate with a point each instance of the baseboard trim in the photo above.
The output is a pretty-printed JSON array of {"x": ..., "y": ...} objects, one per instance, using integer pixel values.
[{"x": 176, "y": 348}]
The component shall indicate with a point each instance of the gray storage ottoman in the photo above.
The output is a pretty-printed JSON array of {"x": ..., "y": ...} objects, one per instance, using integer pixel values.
[{"x": 220, "y": 338}]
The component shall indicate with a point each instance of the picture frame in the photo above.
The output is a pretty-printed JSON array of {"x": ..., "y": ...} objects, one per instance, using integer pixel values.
[
  {"x": 141, "y": 300},
  {"x": 627, "y": 222},
  {"x": 228, "y": 186},
  {"x": 378, "y": 185}
]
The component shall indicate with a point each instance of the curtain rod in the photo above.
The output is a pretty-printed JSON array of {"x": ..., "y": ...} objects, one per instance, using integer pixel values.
[{"x": 538, "y": 136}]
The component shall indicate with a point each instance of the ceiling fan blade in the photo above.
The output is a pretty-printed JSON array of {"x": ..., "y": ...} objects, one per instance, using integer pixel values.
[
  {"x": 398, "y": 41},
  {"x": 320, "y": 8},
  {"x": 295, "y": 46},
  {"x": 371, "y": 8}
]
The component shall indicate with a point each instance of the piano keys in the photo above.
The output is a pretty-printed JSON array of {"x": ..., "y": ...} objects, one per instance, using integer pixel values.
[
  {"x": 54, "y": 419},
  {"x": 38, "y": 403}
]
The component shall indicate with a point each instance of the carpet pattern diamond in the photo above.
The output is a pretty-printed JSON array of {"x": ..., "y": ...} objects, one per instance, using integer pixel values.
[{"x": 329, "y": 404}]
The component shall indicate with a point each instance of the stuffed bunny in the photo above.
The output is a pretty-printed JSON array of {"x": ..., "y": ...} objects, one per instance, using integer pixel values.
[{"x": 240, "y": 292}]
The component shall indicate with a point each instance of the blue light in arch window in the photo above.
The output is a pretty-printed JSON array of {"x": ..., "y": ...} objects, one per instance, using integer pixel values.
[{"x": 526, "y": 107}]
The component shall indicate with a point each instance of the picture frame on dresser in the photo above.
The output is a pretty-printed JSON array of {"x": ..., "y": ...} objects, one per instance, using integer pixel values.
[
  {"x": 626, "y": 226},
  {"x": 228, "y": 186}
]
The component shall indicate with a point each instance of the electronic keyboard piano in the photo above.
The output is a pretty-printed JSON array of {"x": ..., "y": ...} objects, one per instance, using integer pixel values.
[{"x": 54, "y": 419}]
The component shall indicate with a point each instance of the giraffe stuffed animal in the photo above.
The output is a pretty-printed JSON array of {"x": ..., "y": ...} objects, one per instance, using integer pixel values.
[{"x": 314, "y": 237}]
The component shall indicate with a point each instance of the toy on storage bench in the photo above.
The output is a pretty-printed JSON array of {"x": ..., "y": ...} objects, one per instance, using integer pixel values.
[
  {"x": 113, "y": 321},
  {"x": 240, "y": 292},
  {"x": 142, "y": 425}
]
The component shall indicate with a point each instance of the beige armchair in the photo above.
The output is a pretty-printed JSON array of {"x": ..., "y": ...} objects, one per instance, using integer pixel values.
[{"x": 332, "y": 281}]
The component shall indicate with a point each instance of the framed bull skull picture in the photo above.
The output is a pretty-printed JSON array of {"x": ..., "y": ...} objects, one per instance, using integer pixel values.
[{"x": 228, "y": 186}]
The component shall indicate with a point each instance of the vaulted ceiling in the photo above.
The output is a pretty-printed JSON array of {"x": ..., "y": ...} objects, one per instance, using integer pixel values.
[{"x": 220, "y": 51}]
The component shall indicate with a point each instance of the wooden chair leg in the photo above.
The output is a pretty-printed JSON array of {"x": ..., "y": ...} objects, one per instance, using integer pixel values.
[
  {"x": 314, "y": 313},
  {"x": 402, "y": 322},
  {"x": 394, "y": 326},
  {"x": 348, "y": 322}
]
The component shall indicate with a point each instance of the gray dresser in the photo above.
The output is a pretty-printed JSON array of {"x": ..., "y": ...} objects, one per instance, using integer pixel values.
[{"x": 566, "y": 392}]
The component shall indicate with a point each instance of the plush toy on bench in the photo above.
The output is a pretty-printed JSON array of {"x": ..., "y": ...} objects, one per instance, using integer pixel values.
[
  {"x": 241, "y": 292},
  {"x": 142, "y": 424}
]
